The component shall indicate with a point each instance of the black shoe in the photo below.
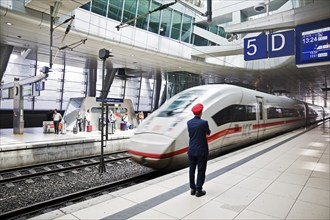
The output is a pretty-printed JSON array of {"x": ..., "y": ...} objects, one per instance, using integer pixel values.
[
  {"x": 200, "y": 193},
  {"x": 193, "y": 192}
]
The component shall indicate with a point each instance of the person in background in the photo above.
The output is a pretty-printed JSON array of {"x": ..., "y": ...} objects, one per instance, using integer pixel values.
[
  {"x": 125, "y": 120},
  {"x": 57, "y": 117},
  {"x": 113, "y": 118},
  {"x": 198, "y": 150},
  {"x": 79, "y": 121},
  {"x": 88, "y": 118},
  {"x": 140, "y": 117}
]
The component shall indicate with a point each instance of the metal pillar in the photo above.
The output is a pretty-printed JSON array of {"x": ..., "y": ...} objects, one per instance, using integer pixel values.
[
  {"x": 102, "y": 165},
  {"x": 18, "y": 122},
  {"x": 51, "y": 37},
  {"x": 103, "y": 54}
]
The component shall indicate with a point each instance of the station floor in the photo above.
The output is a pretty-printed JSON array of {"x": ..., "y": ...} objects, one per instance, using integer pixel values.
[{"x": 286, "y": 177}]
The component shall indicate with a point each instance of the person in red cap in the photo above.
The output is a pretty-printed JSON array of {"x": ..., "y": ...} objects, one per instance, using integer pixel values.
[{"x": 198, "y": 150}]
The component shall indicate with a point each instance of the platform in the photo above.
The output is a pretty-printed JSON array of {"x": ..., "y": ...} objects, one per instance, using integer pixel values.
[
  {"x": 286, "y": 177},
  {"x": 35, "y": 147}
]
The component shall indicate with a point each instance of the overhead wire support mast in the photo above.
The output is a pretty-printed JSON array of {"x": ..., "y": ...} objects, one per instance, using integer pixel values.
[{"x": 73, "y": 45}]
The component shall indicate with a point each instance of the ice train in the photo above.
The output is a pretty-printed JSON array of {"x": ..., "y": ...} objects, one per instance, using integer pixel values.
[{"x": 237, "y": 116}]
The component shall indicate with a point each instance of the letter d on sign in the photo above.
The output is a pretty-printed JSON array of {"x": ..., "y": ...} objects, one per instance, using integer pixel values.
[
  {"x": 281, "y": 44},
  {"x": 280, "y": 38}
]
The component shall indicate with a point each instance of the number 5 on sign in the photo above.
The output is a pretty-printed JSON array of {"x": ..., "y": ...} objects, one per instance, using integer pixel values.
[{"x": 255, "y": 47}]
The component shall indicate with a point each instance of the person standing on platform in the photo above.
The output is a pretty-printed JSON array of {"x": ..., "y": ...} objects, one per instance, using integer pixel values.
[
  {"x": 125, "y": 120},
  {"x": 57, "y": 117},
  {"x": 198, "y": 150},
  {"x": 141, "y": 117},
  {"x": 88, "y": 118},
  {"x": 79, "y": 121},
  {"x": 113, "y": 119}
]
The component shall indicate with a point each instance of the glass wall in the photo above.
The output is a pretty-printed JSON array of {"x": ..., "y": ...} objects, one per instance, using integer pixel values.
[
  {"x": 179, "y": 81},
  {"x": 100, "y": 7},
  {"x": 186, "y": 28},
  {"x": 66, "y": 82},
  {"x": 129, "y": 10},
  {"x": 167, "y": 22},
  {"x": 176, "y": 25},
  {"x": 143, "y": 21},
  {"x": 165, "y": 29},
  {"x": 154, "y": 18},
  {"x": 115, "y": 9}
]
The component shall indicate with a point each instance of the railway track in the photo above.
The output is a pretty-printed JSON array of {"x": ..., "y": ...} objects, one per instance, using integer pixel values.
[
  {"x": 28, "y": 172},
  {"x": 35, "y": 209},
  {"x": 39, "y": 182}
]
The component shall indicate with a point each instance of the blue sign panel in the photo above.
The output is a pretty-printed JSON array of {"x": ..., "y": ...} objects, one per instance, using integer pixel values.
[
  {"x": 313, "y": 43},
  {"x": 40, "y": 86},
  {"x": 98, "y": 99},
  {"x": 281, "y": 44},
  {"x": 255, "y": 47}
]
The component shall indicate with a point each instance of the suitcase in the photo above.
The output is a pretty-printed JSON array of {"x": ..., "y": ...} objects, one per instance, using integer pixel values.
[
  {"x": 89, "y": 128},
  {"x": 63, "y": 130},
  {"x": 75, "y": 130}
]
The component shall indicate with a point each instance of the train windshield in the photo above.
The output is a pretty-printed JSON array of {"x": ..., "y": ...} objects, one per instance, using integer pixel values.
[{"x": 181, "y": 103}]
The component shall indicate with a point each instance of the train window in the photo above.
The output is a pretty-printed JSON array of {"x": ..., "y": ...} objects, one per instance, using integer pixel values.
[
  {"x": 276, "y": 112},
  {"x": 181, "y": 103},
  {"x": 235, "y": 113},
  {"x": 251, "y": 112},
  {"x": 290, "y": 112}
]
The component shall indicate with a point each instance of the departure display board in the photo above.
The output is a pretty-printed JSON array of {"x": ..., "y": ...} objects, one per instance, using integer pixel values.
[{"x": 313, "y": 44}]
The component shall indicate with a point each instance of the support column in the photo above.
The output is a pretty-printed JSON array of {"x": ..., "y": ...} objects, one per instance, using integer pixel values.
[
  {"x": 5, "y": 52},
  {"x": 108, "y": 81},
  {"x": 18, "y": 111},
  {"x": 91, "y": 67},
  {"x": 158, "y": 85}
]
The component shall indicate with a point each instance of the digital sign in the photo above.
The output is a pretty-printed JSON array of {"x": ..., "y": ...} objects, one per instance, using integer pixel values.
[{"x": 313, "y": 44}]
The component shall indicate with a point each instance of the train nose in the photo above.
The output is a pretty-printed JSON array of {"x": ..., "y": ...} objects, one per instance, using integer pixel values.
[{"x": 151, "y": 150}]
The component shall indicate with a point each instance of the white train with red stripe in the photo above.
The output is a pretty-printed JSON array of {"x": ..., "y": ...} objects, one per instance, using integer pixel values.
[{"x": 236, "y": 116}]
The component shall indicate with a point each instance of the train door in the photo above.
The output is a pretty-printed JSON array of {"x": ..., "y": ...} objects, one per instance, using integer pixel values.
[{"x": 260, "y": 117}]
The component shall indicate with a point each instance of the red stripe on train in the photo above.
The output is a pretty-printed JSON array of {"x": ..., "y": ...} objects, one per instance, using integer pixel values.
[
  {"x": 184, "y": 150},
  {"x": 158, "y": 156},
  {"x": 209, "y": 139},
  {"x": 274, "y": 123}
]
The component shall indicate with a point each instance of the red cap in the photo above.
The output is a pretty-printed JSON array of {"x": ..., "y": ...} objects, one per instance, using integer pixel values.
[{"x": 197, "y": 109}]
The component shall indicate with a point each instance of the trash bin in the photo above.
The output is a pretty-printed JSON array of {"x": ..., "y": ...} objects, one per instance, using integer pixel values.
[{"x": 123, "y": 126}]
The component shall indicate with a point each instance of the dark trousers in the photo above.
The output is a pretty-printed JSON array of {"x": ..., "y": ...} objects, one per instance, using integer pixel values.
[
  {"x": 200, "y": 163},
  {"x": 56, "y": 123}
]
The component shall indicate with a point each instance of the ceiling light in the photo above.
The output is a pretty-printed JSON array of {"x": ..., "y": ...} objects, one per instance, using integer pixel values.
[
  {"x": 260, "y": 7},
  {"x": 9, "y": 24}
]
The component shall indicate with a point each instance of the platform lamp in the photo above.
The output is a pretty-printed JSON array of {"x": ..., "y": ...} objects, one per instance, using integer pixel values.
[{"x": 103, "y": 55}]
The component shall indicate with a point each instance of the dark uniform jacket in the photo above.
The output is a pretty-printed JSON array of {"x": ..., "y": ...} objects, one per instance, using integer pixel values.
[{"x": 197, "y": 129}]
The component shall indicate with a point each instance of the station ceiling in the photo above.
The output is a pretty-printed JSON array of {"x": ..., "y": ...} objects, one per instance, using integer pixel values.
[{"x": 27, "y": 35}]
